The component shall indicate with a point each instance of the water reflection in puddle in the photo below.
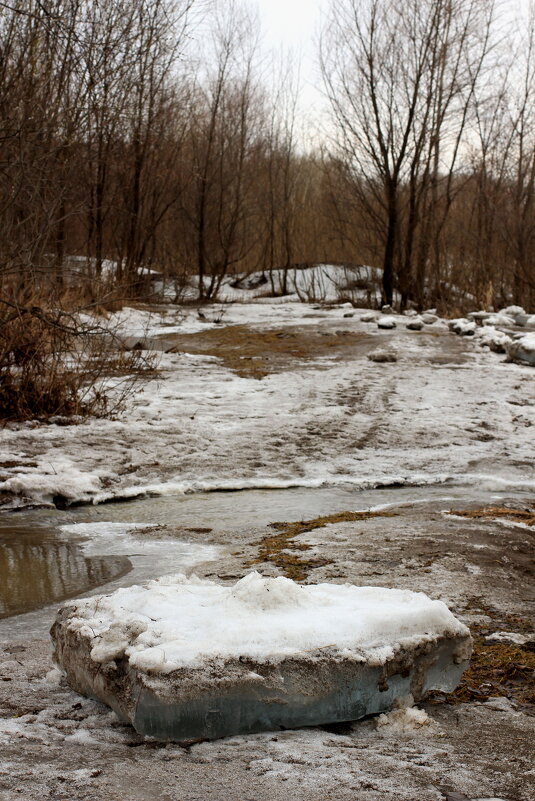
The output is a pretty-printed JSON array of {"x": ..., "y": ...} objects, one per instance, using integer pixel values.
[{"x": 35, "y": 571}]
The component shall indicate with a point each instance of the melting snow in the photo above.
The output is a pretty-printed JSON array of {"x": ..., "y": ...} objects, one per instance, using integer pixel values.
[{"x": 176, "y": 621}]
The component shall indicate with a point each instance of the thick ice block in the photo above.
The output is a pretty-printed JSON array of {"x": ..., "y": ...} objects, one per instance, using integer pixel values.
[
  {"x": 522, "y": 350},
  {"x": 186, "y": 659}
]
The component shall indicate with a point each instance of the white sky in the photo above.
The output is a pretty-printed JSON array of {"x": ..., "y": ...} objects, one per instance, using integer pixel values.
[
  {"x": 294, "y": 25},
  {"x": 291, "y": 22}
]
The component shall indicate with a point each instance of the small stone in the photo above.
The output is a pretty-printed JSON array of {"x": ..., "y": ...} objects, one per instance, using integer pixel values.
[
  {"x": 386, "y": 322},
  {"x": 415, "y": 324},
  {"x": 387, "y": 309},
  {"x": 369, "y": 317},
  {"x": 462, "y": 327},
  {"x": 499, "y": 704},
  {"x": 349, "y": 314},
  {"x": 382, "y": 355},
  {"x": 428, "y": 318}
]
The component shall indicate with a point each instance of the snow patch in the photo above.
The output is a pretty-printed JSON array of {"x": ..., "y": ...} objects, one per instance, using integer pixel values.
[
  {"x": 405, "y": 719},
  {"x": 175, "y": 621},
  {"x": 462, "y": 327}
]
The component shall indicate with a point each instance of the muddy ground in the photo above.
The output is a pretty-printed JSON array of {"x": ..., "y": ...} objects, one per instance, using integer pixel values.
[{"x": 478, "y": 742}]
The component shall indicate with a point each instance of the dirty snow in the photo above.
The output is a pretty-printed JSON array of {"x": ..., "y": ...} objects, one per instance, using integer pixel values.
[
  {"x": 405, "y": 719},
  {"x": 491, "y": 337},
  {"x": 462, "y": 326},
  {"x": 197, "y": 426},
  {"x": 522, "y": 349}
]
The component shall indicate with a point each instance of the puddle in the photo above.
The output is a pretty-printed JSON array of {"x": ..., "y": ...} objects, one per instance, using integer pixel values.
[{"x": 37, "y": 570}]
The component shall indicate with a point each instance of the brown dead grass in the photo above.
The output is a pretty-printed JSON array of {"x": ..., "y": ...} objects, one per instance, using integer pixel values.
[
  {"x": 279, "y": 548},
  {"x": 51, "y": 365},
  {"x": 252, "y": 353},
  {"x": 526, "y": 516},
  {"x": 499, "y": 669}
]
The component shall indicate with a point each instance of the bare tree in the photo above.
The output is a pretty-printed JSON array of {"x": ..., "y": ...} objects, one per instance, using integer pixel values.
[{"x": 400, "y": 83}]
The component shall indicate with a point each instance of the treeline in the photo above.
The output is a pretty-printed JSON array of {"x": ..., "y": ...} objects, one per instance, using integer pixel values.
[
  {"x": 133, "y": 134},
  {"x": 139, "y": 135}
]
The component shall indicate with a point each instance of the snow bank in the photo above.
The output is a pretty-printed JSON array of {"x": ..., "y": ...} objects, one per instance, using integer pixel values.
[
  {"x": 176, "y": 622},
  {"x": 316, "y": 282}
]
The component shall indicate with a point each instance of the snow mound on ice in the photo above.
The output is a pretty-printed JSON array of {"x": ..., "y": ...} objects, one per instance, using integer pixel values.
[
  {"x": 176, "y": 621},
  {"x": 386, "y": 322},
  {"x": 522, "y": 350},
  {"x": 462, "y": 326},
  {"x": 490, "y": 337}
]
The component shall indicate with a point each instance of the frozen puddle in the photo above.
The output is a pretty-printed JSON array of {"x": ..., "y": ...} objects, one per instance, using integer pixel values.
[
  {"x": 47, "y": 555},
  {"x": 186, "y": 659}
]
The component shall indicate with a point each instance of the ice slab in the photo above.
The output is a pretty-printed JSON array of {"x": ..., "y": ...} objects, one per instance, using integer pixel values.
[
  {"x": 463, "y": 327},
  {"x": 185, "y": 659},
  {"x": 522, "y": 350}
]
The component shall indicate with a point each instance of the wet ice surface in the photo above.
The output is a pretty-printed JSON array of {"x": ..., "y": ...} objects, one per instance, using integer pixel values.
[
  {"x": 208, "y": 526},
  {"x": 81, "y": 557},
  {"x": 49, "y": 735},
  {"x": 39, "y": 570}
]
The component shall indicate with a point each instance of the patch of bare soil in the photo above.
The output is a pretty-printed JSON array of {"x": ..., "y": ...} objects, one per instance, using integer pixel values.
[{"x": 253, "y": 353}]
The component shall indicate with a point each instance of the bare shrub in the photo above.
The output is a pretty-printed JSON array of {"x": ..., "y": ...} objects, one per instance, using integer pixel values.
[{"x": 53, "y": 365}]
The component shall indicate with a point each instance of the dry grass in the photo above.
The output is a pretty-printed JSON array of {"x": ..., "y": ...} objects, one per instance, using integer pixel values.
[
  {"x": 526, "y": 516},
  {"x": 277, "y": 548},
  {"x": 254, "y": 354},
  {"x": 498, "y": 669}
]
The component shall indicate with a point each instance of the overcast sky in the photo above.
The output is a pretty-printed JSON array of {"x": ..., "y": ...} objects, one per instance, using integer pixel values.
[
  {"x": 290, "y": 22},
  {"x": 294, "y": 24}
]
